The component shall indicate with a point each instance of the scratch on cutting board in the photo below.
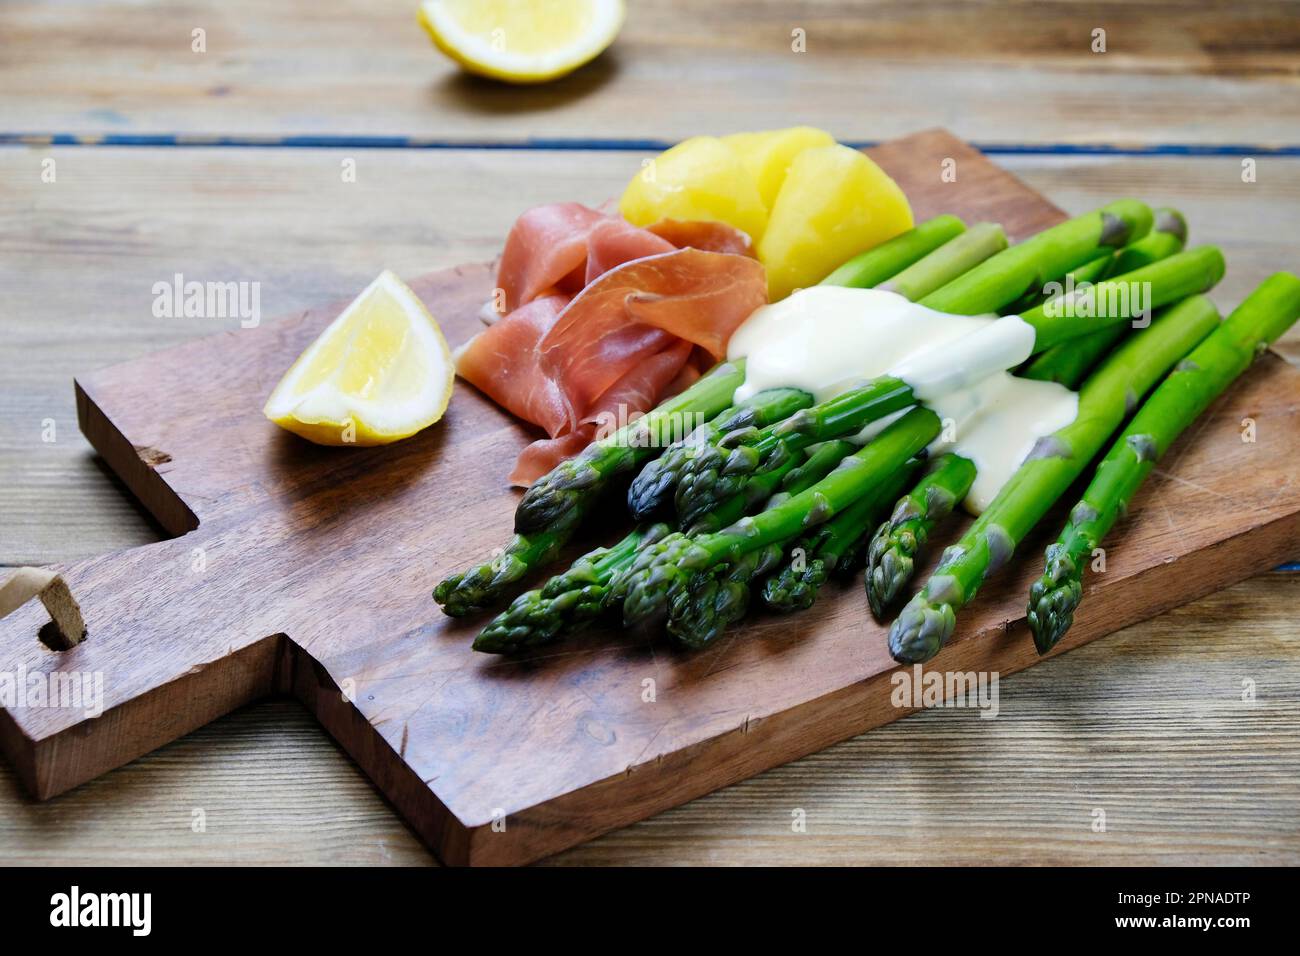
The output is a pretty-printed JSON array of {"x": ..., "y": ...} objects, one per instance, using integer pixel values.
[{"x": 1193, "y": 484}]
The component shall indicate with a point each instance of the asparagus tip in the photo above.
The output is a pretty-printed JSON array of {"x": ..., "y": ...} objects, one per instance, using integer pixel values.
[
  {"x": 921, "y": 630},
  {"x": 886, "y": 576},
  {"x": 1053, "y": 599},
  {"x": 1172, "y": 222}
]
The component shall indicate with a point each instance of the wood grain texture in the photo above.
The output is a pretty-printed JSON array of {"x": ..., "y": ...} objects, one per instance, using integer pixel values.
[
  {"x": 1148, "y": 725},
  {"x": 122, "y": 219},
  {"x": 1208, "y": 71},
  {"x": 252, "y": 495}
]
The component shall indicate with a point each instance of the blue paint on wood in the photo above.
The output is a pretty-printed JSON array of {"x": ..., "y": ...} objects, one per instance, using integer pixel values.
[{"x": 584, "y": 144}]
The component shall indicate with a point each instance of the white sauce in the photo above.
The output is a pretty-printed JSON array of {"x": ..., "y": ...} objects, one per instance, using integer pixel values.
[
  {"x": 999, "y": 344},
  {"x": 1013, "y": 414},
  {"x": 827, "y": 339}
]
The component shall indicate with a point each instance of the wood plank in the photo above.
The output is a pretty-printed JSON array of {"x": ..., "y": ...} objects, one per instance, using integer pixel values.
[
  {"x": 1148, "y": 725},
  {"x": 253, "y": 495},
  {"x": 119, "y": 220},
  {"x": 1003, "y": 71}
]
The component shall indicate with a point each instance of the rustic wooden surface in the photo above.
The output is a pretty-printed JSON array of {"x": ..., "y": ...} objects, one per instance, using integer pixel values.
[
  {"x": 565, "y": 745},
  {"x": 1147, "y": 725},
  {"x": 1000, "y": 71},
  {"x": 80, "y": 257},
  {"x": 121, "y": 219}
]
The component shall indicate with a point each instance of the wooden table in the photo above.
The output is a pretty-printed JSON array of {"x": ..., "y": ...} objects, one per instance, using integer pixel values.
[{"x": 225, "y": 165}]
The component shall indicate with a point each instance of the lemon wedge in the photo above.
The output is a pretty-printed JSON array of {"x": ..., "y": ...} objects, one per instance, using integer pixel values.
[
  {"x": 522, "y": 41},
  {"x": 380, "y": 372}
]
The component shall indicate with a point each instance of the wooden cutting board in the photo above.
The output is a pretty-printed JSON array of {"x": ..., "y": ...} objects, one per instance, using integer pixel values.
[{"x": 306, "y": 571}]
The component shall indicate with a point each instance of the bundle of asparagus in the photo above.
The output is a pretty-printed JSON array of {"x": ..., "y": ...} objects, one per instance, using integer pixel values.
[
  {"x": 1180, "y": 399},
  {"x": 775, "y": 493},
  {"x": 927, "y": 622},
  {"x": 651, "y": 579},
  {"x": 897, "y": 542}
]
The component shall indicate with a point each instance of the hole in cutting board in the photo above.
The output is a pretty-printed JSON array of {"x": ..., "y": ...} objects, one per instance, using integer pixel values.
[
  {"x": 53, "y": 638},
  {"x": 66, "y": 626}
]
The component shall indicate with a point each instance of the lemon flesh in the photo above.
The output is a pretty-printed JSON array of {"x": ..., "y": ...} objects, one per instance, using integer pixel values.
[
  {"x": 380, "y": 372},
  {"x": 522, "y": 41}
]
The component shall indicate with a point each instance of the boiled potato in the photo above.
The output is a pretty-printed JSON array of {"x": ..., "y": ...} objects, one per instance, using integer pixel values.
[
  {"x": 834, "y": 203},
  {"x": 701, "y": 178},
  {"x": 768, "y": 155}
]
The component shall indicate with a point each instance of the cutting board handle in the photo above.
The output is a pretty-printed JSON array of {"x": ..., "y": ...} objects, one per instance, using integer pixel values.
[{"x": 67, "y": 628}]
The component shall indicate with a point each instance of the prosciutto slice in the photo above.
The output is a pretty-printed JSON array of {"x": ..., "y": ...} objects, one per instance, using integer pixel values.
[
  {"x": 604, "y": 319},
  {"x": 630, "y": 397},
  {"x": 614, "y": 242},
  {"x": 609, "y": 326},
  {"x": 565, "y": 246},
  {"x": 499, "y": 362},
  {"x": 708, "y": 236}
]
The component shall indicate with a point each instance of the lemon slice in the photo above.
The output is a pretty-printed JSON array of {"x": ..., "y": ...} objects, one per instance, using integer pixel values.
[
  {"x": 522, "y": 41},
  {"x": 381, "y": 371}
]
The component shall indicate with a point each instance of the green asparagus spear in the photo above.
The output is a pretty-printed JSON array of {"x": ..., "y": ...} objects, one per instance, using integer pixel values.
[
  {"x": 830, "y": 547},
  {"x": 954, "y": 258},
  {"x": 1188, "y": 390},
  {"x": 874, "y": 266},
  {"x": 892, "y": 553},
  {"x": 671, "y": 561},
  {"x": 1162, "y": 283},
  {"x": 1167, "y": 237},
  {"x": 777, "y": 483},
  {"x": 575, "y": 482},
  {"x": 1070, "y": 361},
  {"x": 820, "y": 461},
  {"x": 1100, "y": 268},
  {"x": 1050, "y": 254},
  {"x": 713, "y": 600},
  {"x": 555, "y": 505},
  {"x": 927, "y": 622},
  {"x": 478, "y": 587},
  {"x": 570, "y": 600},
  {"x": 720, "y": 472},
  {"x": 653, "y": 486},
  {"x": 566, "y": 602},
  {"x": 716, "y": 599}
]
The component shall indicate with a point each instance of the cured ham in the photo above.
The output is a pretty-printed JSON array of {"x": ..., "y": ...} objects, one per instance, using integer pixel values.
[
  {"x": 708, "y": 236},
  {"x": 605, "y": 319},
  {"x": 564, "y": 246},
  {"x": 634, "y": 394},
  {"x": 545, "y": 245},
  {"x": 496, "y": 362},
  {"x": 614, "y": 242},
  {"x": 610, "y": 325}
]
